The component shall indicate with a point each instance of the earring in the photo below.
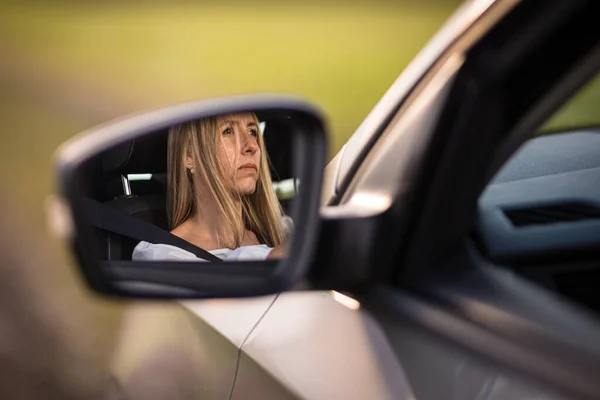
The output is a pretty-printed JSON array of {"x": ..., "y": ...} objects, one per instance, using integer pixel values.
[{"x": 192, "y": 171}]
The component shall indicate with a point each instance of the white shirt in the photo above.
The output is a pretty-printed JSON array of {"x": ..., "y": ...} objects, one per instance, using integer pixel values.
[{"x": 145, "y": 251}]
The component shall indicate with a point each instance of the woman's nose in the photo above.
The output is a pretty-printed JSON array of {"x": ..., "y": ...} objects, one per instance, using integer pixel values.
[{"x": 249, "y": 144}]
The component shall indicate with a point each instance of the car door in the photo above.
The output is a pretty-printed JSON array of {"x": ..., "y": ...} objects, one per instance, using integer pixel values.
[
  {"x": 183, "y": 350},
  {"x": 414, "y": 331},
  {"x": 462, "y": 324}
]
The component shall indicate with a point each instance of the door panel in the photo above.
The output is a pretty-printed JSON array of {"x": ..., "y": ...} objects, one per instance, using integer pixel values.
[
  {"x": 184, "y": 350},
  {"x": 309, "y": 345},
  {"x": 437, "y": 370},
  {"x": 233, "y": 318}
]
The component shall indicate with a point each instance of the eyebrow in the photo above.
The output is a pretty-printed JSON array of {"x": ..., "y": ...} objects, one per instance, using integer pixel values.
[
  {"x": 228, "y": 121},
  {"x": 234, "y": 122}
]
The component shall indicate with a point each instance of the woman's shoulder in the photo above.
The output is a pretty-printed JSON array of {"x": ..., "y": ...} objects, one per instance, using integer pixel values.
[
  {"x": 245, "y": 253},
  {"x": 145, "y": 251}
]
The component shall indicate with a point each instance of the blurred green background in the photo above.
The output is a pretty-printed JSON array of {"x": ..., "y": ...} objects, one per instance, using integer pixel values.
[{"x": 69, "y": 65}]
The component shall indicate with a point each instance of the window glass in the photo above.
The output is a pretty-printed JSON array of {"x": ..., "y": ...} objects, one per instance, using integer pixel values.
[
  {"x": 582, "y": 111},
  {"x": 540, "y": 215}
]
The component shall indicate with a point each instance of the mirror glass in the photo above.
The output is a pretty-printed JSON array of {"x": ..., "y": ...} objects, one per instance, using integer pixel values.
[{"x": 207, "y": 190}]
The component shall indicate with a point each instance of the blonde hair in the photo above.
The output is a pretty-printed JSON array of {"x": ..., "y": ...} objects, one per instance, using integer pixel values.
[{"x": 261, "y": 211}]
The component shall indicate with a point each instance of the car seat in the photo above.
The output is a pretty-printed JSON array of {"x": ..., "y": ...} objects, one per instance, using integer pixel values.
[{"x": 116, "y": 186}]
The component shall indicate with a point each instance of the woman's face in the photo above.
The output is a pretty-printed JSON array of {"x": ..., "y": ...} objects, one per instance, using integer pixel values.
[{"x": 238, "y": 150}]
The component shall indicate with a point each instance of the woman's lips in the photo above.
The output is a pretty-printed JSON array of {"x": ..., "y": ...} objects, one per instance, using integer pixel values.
[{"x": 249, "y": 166}]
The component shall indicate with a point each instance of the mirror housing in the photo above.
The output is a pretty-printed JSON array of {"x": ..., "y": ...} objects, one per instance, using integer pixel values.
[{"x": 172, "y": 279}]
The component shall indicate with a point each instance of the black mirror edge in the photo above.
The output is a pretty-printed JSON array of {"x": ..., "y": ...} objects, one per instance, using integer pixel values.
[{"x": 235, "y": 279}]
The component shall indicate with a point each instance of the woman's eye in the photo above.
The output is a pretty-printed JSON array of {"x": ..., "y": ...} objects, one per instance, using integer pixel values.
[
  {"x": 254, "y": 132},
  {"x": 228, "y": 131}
]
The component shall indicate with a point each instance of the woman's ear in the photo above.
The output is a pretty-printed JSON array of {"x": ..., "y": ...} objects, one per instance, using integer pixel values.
[{"x": 188, "y": 162}]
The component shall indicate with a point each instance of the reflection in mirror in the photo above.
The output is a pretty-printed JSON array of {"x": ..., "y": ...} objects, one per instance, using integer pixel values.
[{"x": 216, "y": 189}]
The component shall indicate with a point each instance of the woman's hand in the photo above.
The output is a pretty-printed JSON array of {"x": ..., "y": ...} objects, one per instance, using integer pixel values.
[{"x": 279, "y": 252}]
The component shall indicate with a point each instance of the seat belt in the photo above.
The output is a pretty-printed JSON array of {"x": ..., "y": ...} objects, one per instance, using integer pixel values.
[{"x": 113, "y": 220}]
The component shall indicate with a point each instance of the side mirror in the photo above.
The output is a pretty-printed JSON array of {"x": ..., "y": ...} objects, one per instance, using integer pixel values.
[{"x": 215, "y": 198}]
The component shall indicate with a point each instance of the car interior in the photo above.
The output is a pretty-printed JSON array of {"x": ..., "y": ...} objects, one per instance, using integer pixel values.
[
  {"x": 540, "y": 216},
  {"x": 131, "y": 178}
]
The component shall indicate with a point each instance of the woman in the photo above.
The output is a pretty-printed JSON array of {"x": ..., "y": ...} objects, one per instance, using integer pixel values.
[{"x": 220, "y": 196}]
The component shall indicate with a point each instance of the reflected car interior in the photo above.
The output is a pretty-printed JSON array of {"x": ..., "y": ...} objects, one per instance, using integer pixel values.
[{"x": 132, "y": 178}]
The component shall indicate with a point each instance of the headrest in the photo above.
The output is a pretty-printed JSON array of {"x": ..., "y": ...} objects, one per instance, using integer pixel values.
[
  {"x": 139, "y": 156},
  {"x": 279, "y": 149}
]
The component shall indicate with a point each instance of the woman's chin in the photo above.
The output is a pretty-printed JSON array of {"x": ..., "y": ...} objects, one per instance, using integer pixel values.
[{"x": 246, "y": 189}]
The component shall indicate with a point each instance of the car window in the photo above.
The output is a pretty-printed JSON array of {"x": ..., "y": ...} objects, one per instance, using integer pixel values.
[
  {"x": 540, "y": 215},
  {"x": 581, "y": 111}
]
